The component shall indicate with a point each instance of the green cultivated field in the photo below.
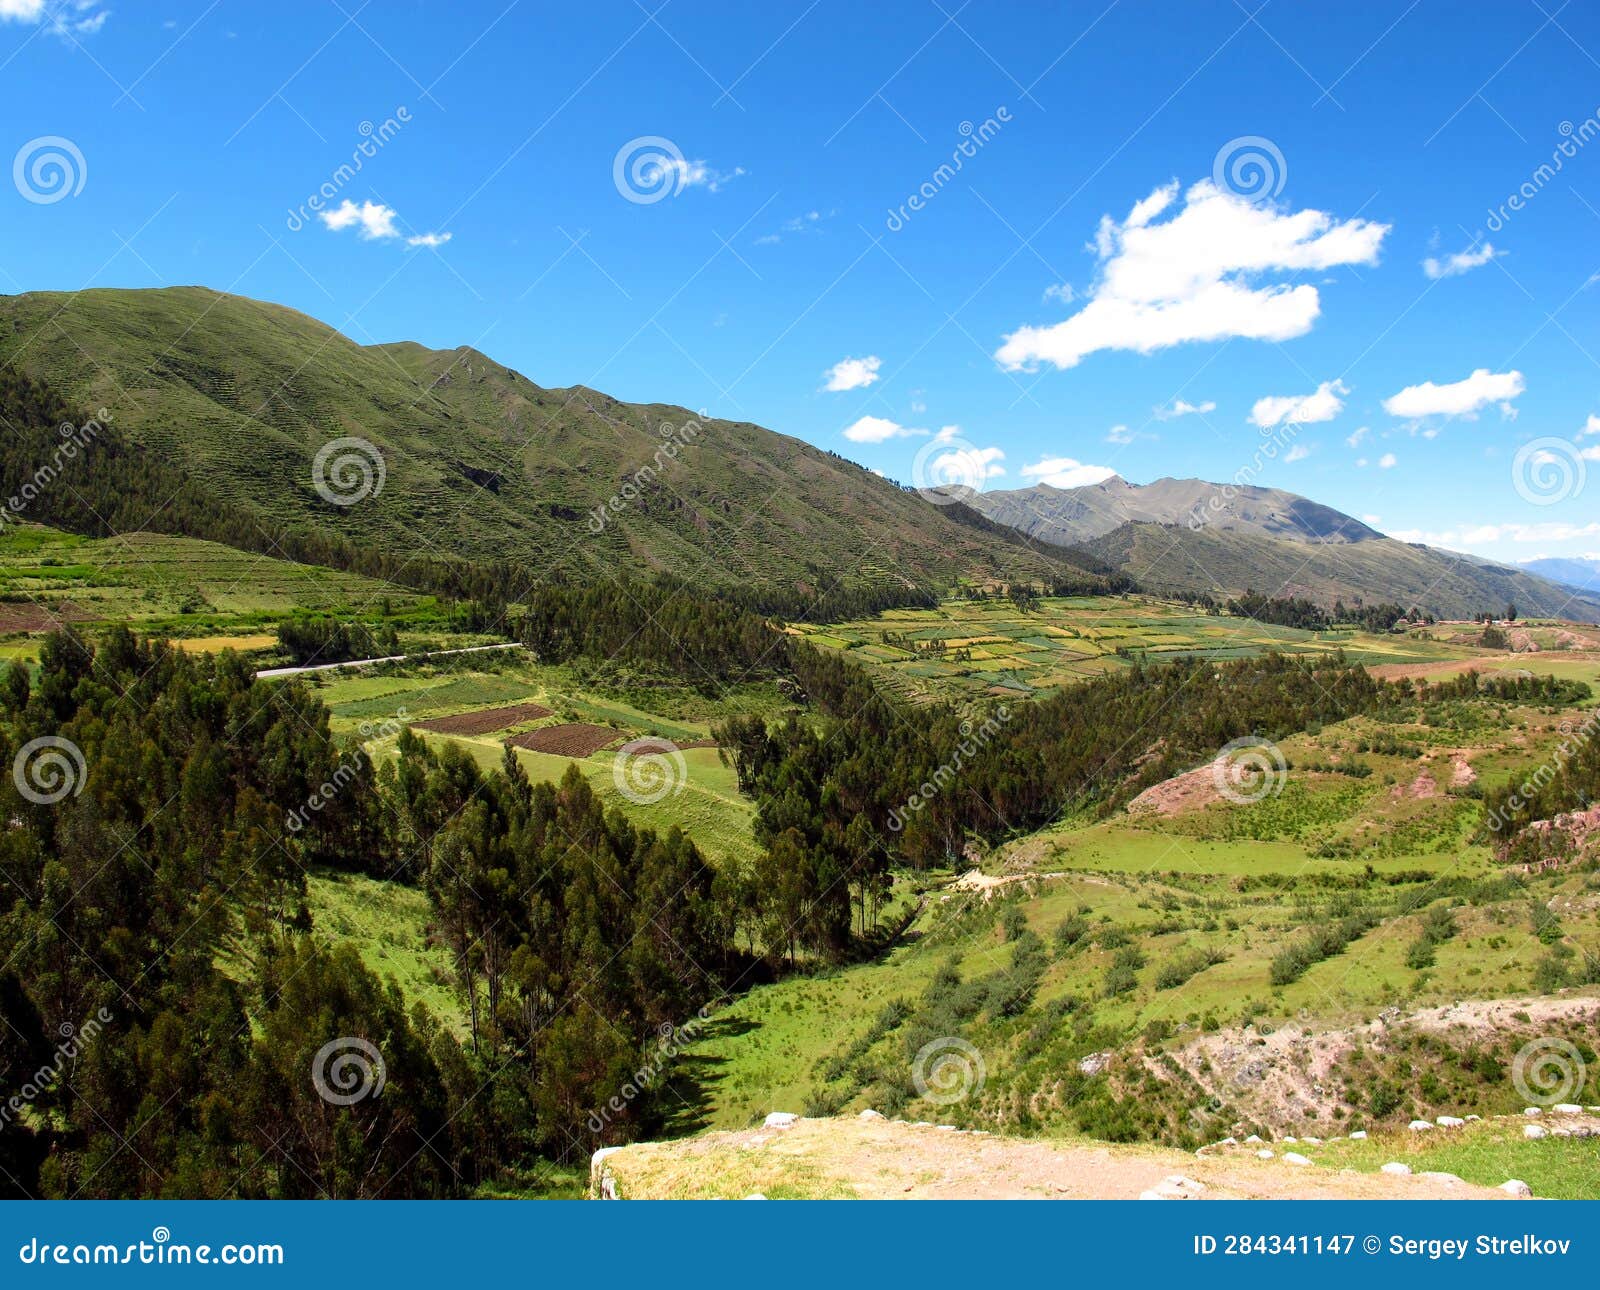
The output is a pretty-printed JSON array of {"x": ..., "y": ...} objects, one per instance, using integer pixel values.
[
  {"x": 200, "y": 592},
  {"x": 967, "y": 647},
  {"x": 707, "y": 805}
]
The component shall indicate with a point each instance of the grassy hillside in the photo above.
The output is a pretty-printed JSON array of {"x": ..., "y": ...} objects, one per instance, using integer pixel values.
[
  {"x": 477, "y": 461},
  {"x": 1175, "y": 558},
  {"x": 1172, "y": 974}
]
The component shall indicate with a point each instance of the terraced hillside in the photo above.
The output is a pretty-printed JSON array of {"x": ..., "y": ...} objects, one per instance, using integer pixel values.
[{"x": 477, "y": 461}]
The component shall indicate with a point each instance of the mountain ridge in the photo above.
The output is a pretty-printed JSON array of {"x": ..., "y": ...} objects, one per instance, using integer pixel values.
[
  {"x": 1191, "y": 537},
  {"x": 480, "y": 463}
]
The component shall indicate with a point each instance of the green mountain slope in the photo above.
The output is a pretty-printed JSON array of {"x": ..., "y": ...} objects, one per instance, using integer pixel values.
[
  {"x": 1175, "y": 558},
  {"x": 479, "y": 462}
]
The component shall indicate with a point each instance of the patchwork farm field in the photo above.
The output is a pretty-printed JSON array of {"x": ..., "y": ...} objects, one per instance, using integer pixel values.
[
  {"x": 554, "y": 718},
  {"x": 964, "y": 648}
]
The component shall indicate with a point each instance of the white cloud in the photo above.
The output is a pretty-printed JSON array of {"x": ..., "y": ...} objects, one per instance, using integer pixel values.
[
  {"x": 1461, "y": 399},
  {"x": 1120, "y": 434},
  {"x": 1590, "y": 454},
  {"x": 1179, "y": 408},
  {"x": 1373, "y": 520},
  {"x": 1355, "y": 440},
  {"x": 1064, "y": 472},
  {"x": 687, "y": 174},
  {"x": 1591, "y": 426},
  {"x": 64, "y": 18},
  {"x": 1197, "y": 276},
  {"x": 372, "y": 220},
  {"x": 1388, "y": 461},
  {"x": 1488, "y": 534},
  {"x": 1062, "y": 291},
  {"x": 375, "y": 222},
  {"x": 1461, "y": 262},
  {"x": 1298, "y": 453},
  {"x": 1325, "y": 404},
  {"x": 853, "y": 373},
  {"x": 878, "y": 430},
  {"x": 967, "y": 462},
  {"x": 809, "y": 222}
]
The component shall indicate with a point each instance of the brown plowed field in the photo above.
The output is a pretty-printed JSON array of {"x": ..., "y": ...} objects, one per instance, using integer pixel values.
[
  {"x": 481, "y": 723},
  {"x": 578, "y": 739}
]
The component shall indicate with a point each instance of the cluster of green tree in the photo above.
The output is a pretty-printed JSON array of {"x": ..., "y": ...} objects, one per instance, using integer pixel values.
[
  {"x": 1296, "y": 611},
  {"x": 324, "y": 639},
  {"x": 163, "y": 814},
  {"x": 874, "y": 784},
  {"x": 703, "y": 640}
]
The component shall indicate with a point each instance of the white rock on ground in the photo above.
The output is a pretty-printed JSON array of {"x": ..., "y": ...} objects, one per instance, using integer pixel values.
[
  {"x": 1533, "y": 1110},
  {"x": 1516, "y": 1187},
  {"x": 1449, "y": 1122},
  {"x": 755, "y": 1195},
  {"x": 1263, "y": 1154},
  {"x": 1359, "y": 1135},
  {"x": 1395, "y": 1167},
  {"x": 1295, "y": 1158},
  {"x": 870, "y": 1114},
  {"x": 1533, "y": 1131},
  {"x": 1471, "y": 1118},
  {"x": 1174, "y": 1187},
  {"x": 1421, "y": 1126},
  {"x": 1567, "y": 1108},
  {"x": 780, "y": 1120},
  {"x": 1254, "y": 1137}
]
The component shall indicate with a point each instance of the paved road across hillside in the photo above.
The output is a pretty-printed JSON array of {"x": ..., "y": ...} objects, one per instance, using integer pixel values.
[{"x": 269, "y": 673}]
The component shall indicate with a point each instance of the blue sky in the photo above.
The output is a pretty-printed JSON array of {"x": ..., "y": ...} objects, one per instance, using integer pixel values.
[{"x": 1047, "y": 309}]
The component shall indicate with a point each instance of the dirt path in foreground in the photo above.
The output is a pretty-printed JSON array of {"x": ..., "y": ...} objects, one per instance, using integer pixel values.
[{"x": 889, "y": 1160}]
